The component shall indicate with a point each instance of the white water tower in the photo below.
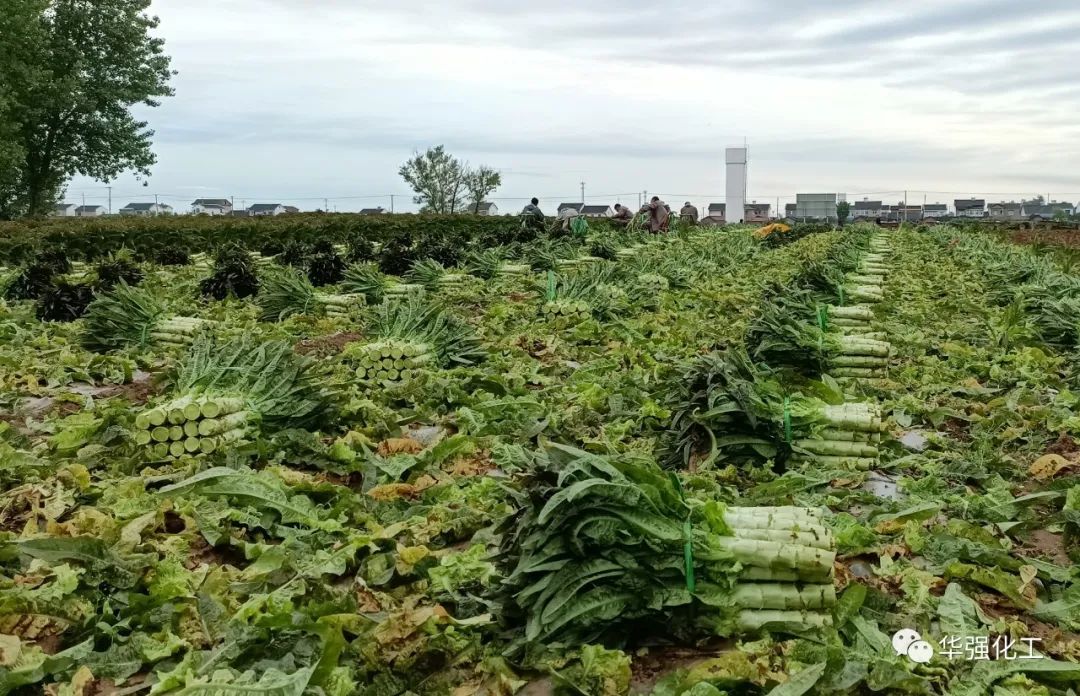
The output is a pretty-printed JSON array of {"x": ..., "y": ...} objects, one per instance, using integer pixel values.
[{"x": 737, "y": 159}]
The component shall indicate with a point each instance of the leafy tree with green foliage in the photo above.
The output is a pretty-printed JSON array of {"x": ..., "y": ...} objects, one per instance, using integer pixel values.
[
  {"x": 479, "y": 183},
  {"x": 444, "y": 184},
  {"x": 843, "y": 209},
  {"x": 437, "y": 178},
  {"x": 70, "y": 72}
]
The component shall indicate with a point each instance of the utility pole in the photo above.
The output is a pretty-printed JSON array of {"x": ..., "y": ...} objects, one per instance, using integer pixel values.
[
  {"x": 583, "y": 193},
  {"x": 84, "y": 202},
  {"x": 391, "y": 202},
  {"x": 155, "y": 199},
  {"x": 110, "y": 199}
]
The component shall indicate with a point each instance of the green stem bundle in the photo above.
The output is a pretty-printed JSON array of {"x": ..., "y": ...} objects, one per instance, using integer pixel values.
[{"x": 193, "y": 424}]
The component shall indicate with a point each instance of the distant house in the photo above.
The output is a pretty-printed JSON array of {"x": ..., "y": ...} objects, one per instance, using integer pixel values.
[
  {"x": 90, "y": 211},
  {"x": 146, "y": 209},
  {"x": 1007, "y": 211},
  {"x": 868, "y": 210},
  {"x": 1037, "y": 209},
  {"x": 291, "y": 209},
  {"x": 935, "y": 210},
  {"x": 212, "y": 206},
  {"x": 485, "y": 208},
  {"x": 64, "y": 210},
  {"x": 970, "y": 207},
  {"x": 817, "y": 206},
  {"x": 597, "y": 211},
  {"x": 717, "y": 211},
  {"x": 756, "y": 212},
  {"x": 904, "y": 213},
  {"x": 789, "y": 210},
  {"x": 576, "y": 207},
  {"x": 372, "y": 211},
  {"x": 240, "y": 213},
  {"x": 262, "y": 209}
]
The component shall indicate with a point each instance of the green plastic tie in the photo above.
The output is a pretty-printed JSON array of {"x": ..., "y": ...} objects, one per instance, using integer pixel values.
[
  {"x": 787, "y": 419},
  {"x": 823, "y": 317},
  {"x": 840, "y": 292},
  {"x": 551, "y": 286},
  {"x": 688, "y": 540}
]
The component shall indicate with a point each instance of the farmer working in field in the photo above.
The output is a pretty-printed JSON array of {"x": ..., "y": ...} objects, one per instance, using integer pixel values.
[
  {"x": 532, "y": 216},
  {"x": 689, "y": 214},
  {"x": 533, "y": 209},
  {"x": 623, "y": 214},
  {"x": 658, "y": 215}
]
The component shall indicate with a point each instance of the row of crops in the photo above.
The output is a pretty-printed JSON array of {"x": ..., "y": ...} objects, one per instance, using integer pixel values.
[{"x": 720, "y": 462}]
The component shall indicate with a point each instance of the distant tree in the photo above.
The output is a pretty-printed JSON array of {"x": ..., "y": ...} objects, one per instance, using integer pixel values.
[
  {"x": 70, "y": 71},
  {"x": 437, "y": 178},
  {"x": 479, "y": 183},
  {"x": 445, "y": 184},
  {"x": 843, "y": 209}
]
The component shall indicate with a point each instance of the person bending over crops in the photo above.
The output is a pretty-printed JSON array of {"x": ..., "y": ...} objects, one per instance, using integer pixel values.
[
  {"x": 566, "y": 216},
  {"x": 623, "y": 214},
  {"x": 689, "y": 213},
  {"x": 658, "y": 216},
  {"x": 531, "y": 215}
]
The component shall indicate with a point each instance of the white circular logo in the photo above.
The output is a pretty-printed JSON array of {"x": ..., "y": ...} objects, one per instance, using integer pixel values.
[
  {"x": 920, "y": 651},
  {"x": 903, "y": 639}
]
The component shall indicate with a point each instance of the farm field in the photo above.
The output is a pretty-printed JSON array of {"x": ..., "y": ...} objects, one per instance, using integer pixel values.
[{"x": 479, "y": 462}]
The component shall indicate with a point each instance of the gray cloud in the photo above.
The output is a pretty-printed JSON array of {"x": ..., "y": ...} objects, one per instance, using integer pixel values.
[{"x": 298, "y": 97}]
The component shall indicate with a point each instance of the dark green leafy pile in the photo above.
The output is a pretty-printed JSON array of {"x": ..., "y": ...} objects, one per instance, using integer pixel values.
[
  {"x": 787, "y": 333},
  {"x": 64, "y": 301},
  {"x": 172, "y": 256},
  {"x": 293, "y": 253},
  {"x": 325, "y": 268},
  {"x": 360, "y": 250},
  {"x": 608, "y": 548},
  {"x": 56, "y": 260},
  {"x": 233, "y": 275},
  {"x": 398, "y": 254},
  {"x": 31, "y": 282},
  {"x": 118, "y": 268},
  {"x": 726, "y": 409}
]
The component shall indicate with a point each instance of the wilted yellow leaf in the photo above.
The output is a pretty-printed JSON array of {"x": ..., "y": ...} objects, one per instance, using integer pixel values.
[
  {"x": 1049, "y": 466},
  {"x": 1027, "y": 574},
  {"x": 398, "y": 445},
  {"x": 393, "y": 491}
]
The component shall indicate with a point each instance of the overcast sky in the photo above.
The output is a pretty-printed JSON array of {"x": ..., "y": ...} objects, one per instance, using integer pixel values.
[{"x": 283, "y": 100}]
